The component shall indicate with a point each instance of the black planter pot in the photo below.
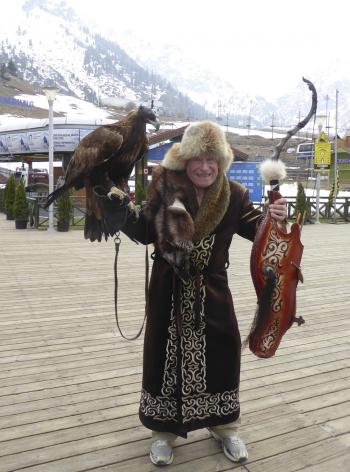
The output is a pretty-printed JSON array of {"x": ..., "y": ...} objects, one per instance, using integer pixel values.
[
  {"x": 9, "y": 215},
  {"x": 21, "y": 224},
  {"x": 62, "y": 225}
]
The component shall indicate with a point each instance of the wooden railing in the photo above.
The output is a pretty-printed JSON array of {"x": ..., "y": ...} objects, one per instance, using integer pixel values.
[
  {"x": 40, "y": 214},
  {"x": 326, "y": 211}
]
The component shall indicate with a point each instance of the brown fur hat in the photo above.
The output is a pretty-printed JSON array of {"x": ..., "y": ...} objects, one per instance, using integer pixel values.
[{"x": 202, "y": 137}]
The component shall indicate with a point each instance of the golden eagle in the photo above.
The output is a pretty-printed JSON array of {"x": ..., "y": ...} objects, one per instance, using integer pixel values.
[{"x": 105, "y": 159}]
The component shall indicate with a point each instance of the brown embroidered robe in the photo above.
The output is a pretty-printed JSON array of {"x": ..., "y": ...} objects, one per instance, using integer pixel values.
[{"x": 191, "y": 367}]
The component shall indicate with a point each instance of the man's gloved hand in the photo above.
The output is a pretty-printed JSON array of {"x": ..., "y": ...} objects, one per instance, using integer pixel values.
[
  {"x": 115, "y": 193},
  {"x": 115, "y": 207}
]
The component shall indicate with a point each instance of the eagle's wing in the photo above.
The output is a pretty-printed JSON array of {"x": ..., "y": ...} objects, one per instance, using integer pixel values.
[
  {"x": 121, "y": 169},
  {"x": 93, "y": 150}
]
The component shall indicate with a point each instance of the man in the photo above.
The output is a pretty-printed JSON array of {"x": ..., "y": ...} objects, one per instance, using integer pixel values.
[{"x": 192, "y": 346}]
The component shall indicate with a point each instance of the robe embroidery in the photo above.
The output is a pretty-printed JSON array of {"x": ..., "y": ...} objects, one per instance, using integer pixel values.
[{"x": 197, "y": 403}]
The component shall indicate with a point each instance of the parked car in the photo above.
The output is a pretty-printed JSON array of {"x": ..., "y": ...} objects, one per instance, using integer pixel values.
[{"x": 305, "y": 150}]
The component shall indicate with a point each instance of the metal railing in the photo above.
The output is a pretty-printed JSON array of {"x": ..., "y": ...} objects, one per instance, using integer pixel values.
[{"x": 40, "y": 216}]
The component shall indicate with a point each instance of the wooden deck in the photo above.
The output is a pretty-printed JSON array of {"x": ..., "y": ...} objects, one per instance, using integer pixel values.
[{"x": 69, "y": 385}]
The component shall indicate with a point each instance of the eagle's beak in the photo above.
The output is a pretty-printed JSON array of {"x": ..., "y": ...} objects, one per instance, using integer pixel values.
[{"x": 154, "y": 123}]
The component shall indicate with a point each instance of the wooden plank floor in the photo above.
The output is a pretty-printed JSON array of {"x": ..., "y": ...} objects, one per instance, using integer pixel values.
[{"x": 69, "y": 384}]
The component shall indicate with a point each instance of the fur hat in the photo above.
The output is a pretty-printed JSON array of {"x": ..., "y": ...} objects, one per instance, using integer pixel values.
[{"x": 202, "y": 137}]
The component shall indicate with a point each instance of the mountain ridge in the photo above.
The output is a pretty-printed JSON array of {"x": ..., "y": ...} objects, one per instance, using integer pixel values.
[{"x": 49, "y": 42}]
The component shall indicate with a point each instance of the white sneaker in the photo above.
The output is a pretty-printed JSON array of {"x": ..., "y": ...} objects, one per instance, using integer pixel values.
[
  {"x": 233, "y": 447},
  {"x": 161, "y": 453}
]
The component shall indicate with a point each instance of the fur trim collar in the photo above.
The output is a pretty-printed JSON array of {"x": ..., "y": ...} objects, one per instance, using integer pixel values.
[{"x": 213, "y": 208}]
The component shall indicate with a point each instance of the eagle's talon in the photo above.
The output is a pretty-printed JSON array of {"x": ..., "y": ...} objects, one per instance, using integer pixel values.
[
  {"x": 115, "y": 192},
  {"x": 134, "y": 208}
]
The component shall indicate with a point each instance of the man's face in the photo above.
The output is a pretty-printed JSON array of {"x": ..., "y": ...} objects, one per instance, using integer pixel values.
[{"x": 202, "y": 170}]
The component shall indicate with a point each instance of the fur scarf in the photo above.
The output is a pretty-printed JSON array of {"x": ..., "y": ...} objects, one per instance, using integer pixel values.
[{"x": 178, "y": 219}]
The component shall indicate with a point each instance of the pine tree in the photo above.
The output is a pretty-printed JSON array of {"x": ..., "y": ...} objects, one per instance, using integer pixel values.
[
  {"x": 3, "y": 200},
  {"x": 301, "y": 204},
  {"x": 3, "y": 71},
  {"x": 337, "y": 188},
  {"x": 11, "y": 68},
  {"x": 333, "y": 192},
  {"x": 10, "y": 190},
  {"x": 64, "y": 207},
  {"x": 20, "y": 206}
]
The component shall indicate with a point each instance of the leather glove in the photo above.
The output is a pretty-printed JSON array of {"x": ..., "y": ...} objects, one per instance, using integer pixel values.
[{"x": 115, "y": 210}]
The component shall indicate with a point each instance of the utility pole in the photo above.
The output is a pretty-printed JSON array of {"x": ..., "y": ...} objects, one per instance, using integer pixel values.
[
  {"x": 152, "y": 90},
  {"x": 272, "y": 125},
  {"x": 335, "y": 155},
  {"x": 327, "y": 116},
  {"x": 50, "y": 93},
  {"x": 98, "y": 96},
  {"x": 219, "y": 110},
  {"x": 249, "y": 124},
  {"x": 321, "y": 119}
]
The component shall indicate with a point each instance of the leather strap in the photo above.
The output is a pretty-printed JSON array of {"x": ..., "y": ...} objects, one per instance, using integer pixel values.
[{"x": 117, "y": 242}]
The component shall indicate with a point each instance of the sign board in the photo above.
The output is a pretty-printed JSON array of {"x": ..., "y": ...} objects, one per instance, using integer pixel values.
[
  {"x": 157, "y": 153},
  {"x": 322, "y": 155},
  {"x": 248, "y": 174},
  {"x": 64, "y": 140}
]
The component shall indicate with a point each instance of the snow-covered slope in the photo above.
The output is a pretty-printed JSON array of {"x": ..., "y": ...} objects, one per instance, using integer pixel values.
[
  {"x": 49, "y": 43},
  {"x": 74, "y": 110}
]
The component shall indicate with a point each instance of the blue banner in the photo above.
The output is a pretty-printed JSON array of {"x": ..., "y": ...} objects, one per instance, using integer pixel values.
[{"x": 16, "y": 102}]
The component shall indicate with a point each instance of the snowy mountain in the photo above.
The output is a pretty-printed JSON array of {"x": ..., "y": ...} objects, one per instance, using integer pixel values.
[
  {"x": 224, "y": 99},
  {"x": 47, "y": 42}
]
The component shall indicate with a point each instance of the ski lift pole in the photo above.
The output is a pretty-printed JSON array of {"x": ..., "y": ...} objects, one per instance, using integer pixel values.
[{"x": 336, "y": 156}]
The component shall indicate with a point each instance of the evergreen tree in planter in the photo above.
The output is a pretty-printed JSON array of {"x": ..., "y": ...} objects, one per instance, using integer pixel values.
[
  {"x": 10, "y": 190},
  {"x": 21, "y": 206},
  {"x": 302, "y": 205},
  {"x": 332, "y": 196},
  {"x": 64, "y": 212},
  {"x": 2, "y": 199}
]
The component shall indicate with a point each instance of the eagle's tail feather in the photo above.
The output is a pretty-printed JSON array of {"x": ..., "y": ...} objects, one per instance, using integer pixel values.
[
  {"x": 55, "y": 194},
  {"x": 92, "y": 228}
]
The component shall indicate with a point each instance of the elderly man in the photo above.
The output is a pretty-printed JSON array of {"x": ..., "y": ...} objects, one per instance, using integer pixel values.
[{"x": 192, "y": 347}]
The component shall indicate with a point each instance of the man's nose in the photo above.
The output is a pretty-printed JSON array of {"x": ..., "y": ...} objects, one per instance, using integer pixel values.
[{"x": 205, "y": 164}]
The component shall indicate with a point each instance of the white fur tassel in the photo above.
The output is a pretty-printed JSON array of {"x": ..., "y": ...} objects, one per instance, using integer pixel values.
[{"x": 272, "y": 170}]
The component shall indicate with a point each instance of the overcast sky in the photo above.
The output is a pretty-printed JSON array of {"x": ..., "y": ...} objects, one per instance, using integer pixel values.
[{"x": 264, "y": 46}]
